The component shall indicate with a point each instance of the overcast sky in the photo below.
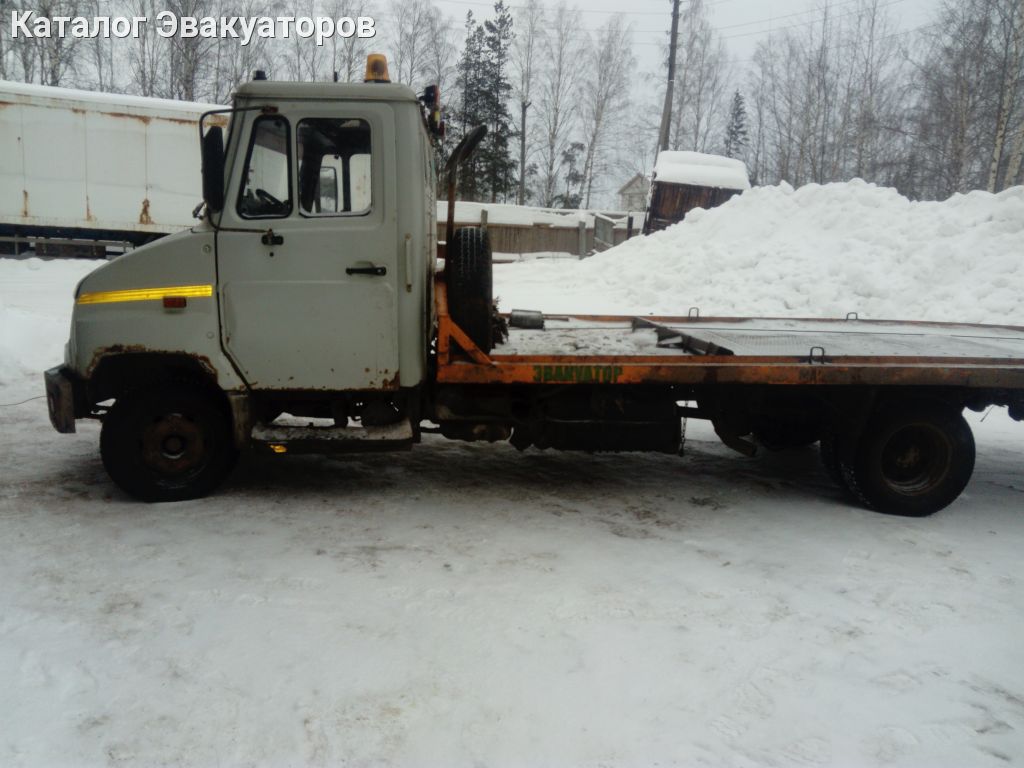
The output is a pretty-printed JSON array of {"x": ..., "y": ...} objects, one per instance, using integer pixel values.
[{"x": 742, "y": 23}]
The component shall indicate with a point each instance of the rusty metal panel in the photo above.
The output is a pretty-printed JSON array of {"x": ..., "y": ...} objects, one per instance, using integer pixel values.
[
  {"x": 112, "y": 189},
  {"x": 1003, "y": 374},
  {"x": 54, "y": 147},
  {"x": 81, "y": 160}
]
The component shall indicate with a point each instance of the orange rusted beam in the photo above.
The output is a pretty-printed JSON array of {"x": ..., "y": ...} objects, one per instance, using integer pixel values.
[
  {"x": 624, "y": 370},
  {"x": 473, "y": 366},
  {"x": 448, "y": 331}
]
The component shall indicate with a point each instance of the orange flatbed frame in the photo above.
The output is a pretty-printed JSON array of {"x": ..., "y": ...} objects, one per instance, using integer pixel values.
[{"x": 460, "y": 361}]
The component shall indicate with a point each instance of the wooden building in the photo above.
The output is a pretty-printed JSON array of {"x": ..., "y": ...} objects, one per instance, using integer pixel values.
[
  {"x": 633, "y": 194},
  {"x": 686, "y": 180}
]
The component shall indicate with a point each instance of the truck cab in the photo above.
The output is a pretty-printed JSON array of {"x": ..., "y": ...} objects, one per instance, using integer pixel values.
[
  {"x": 324, "y": 263},
  {"x": 306, "y": 288}
]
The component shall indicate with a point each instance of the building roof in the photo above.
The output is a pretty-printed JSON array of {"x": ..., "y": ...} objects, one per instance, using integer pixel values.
[
  {"x": 638, "y": 177},
  {"x": 701, "y": 170},
  {"x": 48, "y": 95}
]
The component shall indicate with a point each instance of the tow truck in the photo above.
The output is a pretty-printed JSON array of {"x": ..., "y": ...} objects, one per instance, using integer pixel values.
[{"x": 307, "y": 311}]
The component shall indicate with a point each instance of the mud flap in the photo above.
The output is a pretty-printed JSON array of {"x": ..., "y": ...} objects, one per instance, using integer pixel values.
[{"x": 60, "y": 398}]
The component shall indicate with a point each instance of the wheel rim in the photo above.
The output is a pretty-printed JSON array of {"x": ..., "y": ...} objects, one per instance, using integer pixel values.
[
  {"x": 173, "y": 445},
  {"x": 915, "y": 459}
]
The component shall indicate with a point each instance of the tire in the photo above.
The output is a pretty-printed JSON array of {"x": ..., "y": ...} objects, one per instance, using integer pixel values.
[
  {"x": 168, "y": 443},
  {"x": 911, "y": 460},
  {"x": 470, "y": 292}
]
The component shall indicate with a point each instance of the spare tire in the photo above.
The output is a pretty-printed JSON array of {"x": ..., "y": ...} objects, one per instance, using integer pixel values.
[{"x": 470, "y": 288}]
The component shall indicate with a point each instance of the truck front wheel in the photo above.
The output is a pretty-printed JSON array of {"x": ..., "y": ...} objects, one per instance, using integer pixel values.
[
  {"x": 167, "y": 443},
  {"x": 911, "y": 459}
]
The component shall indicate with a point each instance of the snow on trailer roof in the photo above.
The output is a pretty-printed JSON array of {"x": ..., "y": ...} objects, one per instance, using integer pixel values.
[
  {"x": 30, "y": 93},
  {"x": 701, "y": 170}
]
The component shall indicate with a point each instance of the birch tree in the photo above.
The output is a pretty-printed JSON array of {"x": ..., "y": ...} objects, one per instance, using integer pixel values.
[
  {"x": 701, "y": 82},
  {"x": 1008, "y": 59},
  {"x": 529, "y": 23},
  {"x": 230, "y": 64},
  {"x": 147, "y": 53},
  {"x": 408, "y": 39},
  {"x": 49, "y": 60},
  {"x": 6, "y": 47},
  {"x": 952, "y": 85},
  {"x": 557, "y": 97},
  {"x": 606, "y": 97},
  {"x": 188, "y": 58},
  {"x": 348, "y": 54},
  {"x": 442, "y": 52},
  {"x": 101, "y": 57},
  {"x": 303, "y": 60}
]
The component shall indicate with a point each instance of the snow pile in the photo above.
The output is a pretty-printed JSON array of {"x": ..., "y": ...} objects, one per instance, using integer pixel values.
[
  {"x": 24, "y": 340},
  {"x": 701, "y": 170},
  {"x": 819, "y": 251},
  {"x": 35, "y": 312}
]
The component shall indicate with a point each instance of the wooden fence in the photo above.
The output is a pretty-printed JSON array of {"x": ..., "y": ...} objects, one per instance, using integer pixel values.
[{"x": 578, "y": 240}]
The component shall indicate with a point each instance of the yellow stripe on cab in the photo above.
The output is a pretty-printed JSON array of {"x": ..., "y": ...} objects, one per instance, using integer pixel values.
[{"x": 146, "y": 294}]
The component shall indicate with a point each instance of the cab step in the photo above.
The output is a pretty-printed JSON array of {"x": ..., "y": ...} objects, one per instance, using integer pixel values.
[{"x": 308, "y": 439}]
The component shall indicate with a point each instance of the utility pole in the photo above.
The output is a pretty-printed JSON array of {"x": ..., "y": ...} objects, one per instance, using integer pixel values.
[
  {"x": 521, "y": 196},
  {"x": 666, "y": 114}
]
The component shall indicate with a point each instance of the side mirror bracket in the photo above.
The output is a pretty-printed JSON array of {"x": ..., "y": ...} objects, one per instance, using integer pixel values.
[{"x": 213, "y": 169}]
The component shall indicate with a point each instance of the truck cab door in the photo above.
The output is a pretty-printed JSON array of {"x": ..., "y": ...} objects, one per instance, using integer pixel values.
[{"x": 307, "y": 251}]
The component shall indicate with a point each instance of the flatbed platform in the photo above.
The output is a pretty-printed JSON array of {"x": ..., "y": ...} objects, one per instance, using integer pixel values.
[
  {"x": 609, "y": 349},
  {"x": 750, "y": 337}
]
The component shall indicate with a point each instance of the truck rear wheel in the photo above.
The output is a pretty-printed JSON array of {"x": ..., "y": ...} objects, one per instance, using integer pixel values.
[
  {"x": 169, "y": 443},
  {"x": 468, "y": 272},
  {"x": 911, "y": 459}
]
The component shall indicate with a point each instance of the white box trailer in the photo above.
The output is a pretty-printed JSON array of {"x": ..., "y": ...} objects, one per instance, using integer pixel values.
[{"x": 81, "y": 171}]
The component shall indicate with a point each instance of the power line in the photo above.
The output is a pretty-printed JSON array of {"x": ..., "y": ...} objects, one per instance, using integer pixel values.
[
  {"x": 807, "y": 23},
  {"x": 484, "y": 4},
  {"x": 848, "y": 44},
  {"x": 766, "y": 20},
  {"x": 787, "y": 16},
  {"x": 762, "y": 21}
]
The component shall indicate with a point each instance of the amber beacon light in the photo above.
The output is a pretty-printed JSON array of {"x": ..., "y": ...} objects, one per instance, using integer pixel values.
[{"x": 376, "y": 69}]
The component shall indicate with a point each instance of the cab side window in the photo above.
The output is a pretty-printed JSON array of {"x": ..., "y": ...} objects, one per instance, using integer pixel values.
[
  {"x": 334, "y": 166},
  {"x": 266, "y": 188}
]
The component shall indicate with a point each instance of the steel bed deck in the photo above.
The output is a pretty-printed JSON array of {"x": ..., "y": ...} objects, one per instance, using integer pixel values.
[{"x": 604, "y": 349}]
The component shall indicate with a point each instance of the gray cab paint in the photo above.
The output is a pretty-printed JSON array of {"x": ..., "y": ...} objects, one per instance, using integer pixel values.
[
  {"x": 293, "y": 320},
  {"x": 124, "y": 327}
]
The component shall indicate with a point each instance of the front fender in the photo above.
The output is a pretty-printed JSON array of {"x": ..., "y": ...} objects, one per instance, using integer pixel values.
[{"x": 120, "y": 308}]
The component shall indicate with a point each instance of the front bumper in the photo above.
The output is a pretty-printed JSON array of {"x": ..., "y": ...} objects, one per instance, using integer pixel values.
[{"x": 64, "y": 395}]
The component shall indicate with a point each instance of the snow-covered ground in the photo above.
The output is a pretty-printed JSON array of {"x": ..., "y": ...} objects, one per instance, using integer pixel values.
[{"x": 470, "y": 605}]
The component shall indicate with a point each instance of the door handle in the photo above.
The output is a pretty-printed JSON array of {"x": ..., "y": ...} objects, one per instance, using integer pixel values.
[
  {"x": 375, "y": 271},
  {"x": 269, "y": 238}
]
